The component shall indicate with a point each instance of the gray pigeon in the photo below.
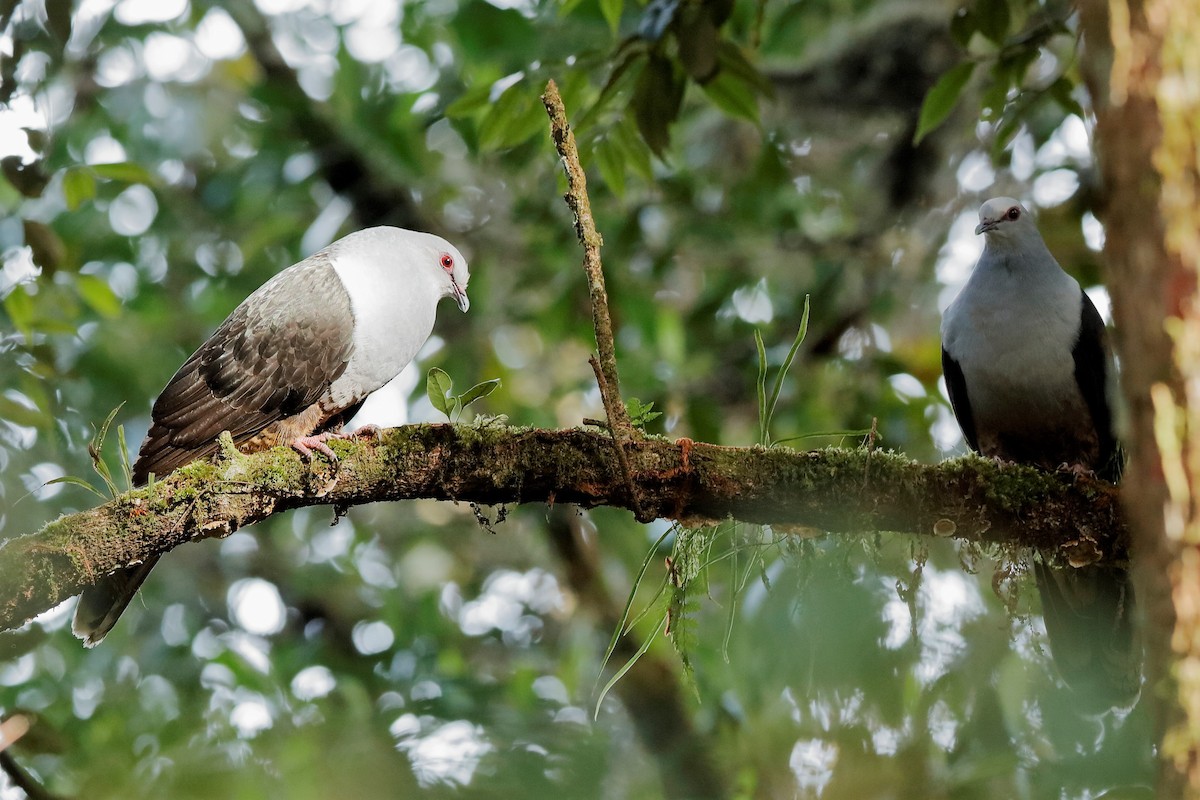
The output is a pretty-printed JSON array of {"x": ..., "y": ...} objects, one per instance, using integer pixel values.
[
  {"x": 1027, "y": 365},
  {"x": 291, "y": 365}
]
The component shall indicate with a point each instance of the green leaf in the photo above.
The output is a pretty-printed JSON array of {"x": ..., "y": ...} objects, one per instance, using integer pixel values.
[
  {"x": 733, "y": 95},
  {"x": 640, "y": 413},
  {"x": 437, "y": 387},
  {"x": 71, "y": 479},
  {"x": 79, "y": 186},
  {"x": 470, "y": 101},
  {"x": 611, "y": 9},
  {"x": 656, "y": 102},
  {"x": 942, "y": 98},
  {"x": 21, "y": 414},
  {"x": 478, "y": 392},
  {"x": 993, "y": 18},
  {"x": 47, "y": 248},
  {"x": 760, "y": 387},
  {"x": 787, "y": 362},
  {"x": 96, "y": 292},
  {"x": 19, "y": 307},
  {"x": 697, "y": 36},
  {"x": 123, "y": 172},
  {"x": 733, "y": 60},
  {"x": 610, "y": 163},
  {"x": 963, "y": 25},
  {"x": 635, "y": 155},
  {"x": 630, "y": 53},
  {"x": 515, "y": 117},
  {"x": 1061, "y": 91}
]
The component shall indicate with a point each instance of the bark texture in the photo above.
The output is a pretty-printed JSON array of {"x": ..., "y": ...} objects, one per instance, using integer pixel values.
[{"x": 1145, "y": 82}]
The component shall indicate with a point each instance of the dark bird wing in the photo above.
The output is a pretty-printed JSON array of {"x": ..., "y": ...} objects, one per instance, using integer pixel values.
[
  {"x": 274, "y": 356},
  {"x": 956, "y": 387},
  {"x": 1091, "y": 375}
]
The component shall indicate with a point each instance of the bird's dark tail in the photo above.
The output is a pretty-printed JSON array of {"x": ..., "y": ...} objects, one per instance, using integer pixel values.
[
  {"x": 1088, "y": 613},
  {"x": 100, "y": 606}
]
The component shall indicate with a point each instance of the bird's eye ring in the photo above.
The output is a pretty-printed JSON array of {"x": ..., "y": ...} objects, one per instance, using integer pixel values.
[
  {"x": 1014, "y": 212},
  {"x": 447, "y": 262}
]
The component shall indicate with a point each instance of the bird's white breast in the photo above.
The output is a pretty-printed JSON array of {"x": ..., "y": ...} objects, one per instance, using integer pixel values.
[
  {"x": 1013, "y": 336},
  {"x": 393, "y": 316}
]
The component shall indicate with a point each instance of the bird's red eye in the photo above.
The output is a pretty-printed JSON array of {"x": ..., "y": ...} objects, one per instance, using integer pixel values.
[
  {"x": 1014, "y": 212},
  {"x": 447, "y": 262}
]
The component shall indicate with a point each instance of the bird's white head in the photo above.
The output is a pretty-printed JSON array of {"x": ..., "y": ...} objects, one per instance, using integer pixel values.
[
  {"x": 1003, "y": 218},
  {"x": 430, "y": 260}
]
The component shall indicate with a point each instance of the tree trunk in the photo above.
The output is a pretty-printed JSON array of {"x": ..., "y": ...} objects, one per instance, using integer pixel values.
[{"x": 1145, "y": 81}]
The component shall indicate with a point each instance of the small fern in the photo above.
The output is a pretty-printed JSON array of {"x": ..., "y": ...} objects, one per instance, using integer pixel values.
[{"x": 95, "y": 451}]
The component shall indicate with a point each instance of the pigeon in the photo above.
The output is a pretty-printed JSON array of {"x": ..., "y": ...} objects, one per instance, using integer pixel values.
[
  {"x": 291, "y": 365},
  {"x": 1027, "y": 368}
]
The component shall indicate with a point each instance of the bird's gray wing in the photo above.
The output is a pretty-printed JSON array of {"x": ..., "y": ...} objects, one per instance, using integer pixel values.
[
  {"x": 956, "y": 387},
  {"x": 274, "y": 356},
  {"x": 1091, "y": 375}
]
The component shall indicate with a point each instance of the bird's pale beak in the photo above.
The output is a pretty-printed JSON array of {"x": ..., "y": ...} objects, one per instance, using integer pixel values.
[
  {"x": 984, "y": 227},
  {"x": 460, "y": 296}
]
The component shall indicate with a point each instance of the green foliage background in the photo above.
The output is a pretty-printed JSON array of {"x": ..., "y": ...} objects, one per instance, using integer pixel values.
[{"x": 742, "y": 156}]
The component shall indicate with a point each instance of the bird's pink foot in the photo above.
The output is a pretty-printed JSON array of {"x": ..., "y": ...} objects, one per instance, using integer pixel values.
[
  {"x": 305, "y": 445},
  {"x": 367, "y": 431},
  {"x": 1077, "y": 470}
]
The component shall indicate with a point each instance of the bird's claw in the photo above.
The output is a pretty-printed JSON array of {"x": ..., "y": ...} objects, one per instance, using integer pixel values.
[
  {"x": 1077, "y": 471},
  {"x": 366, "y": 431},
  {"x": 305, "y": 445}
]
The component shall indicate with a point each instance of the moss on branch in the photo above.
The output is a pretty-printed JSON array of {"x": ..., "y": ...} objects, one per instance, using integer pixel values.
[{"x": 833, "y": 490}]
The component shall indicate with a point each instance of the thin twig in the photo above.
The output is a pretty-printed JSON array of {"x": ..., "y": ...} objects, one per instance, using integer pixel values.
[
  {"x": 622, "y": 457},
  {"x": 589, "y": 238}
]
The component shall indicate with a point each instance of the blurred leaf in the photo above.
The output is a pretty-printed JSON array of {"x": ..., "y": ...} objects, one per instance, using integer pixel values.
[
  {"x": 58, "y": 19},
  {"x": 490, "y": 34},
  {"x": 1062, "y": 90},
  {"x": 437, "y": 388},
  {"x": 123, "y": 172},
  {"x": 733, "y": 60},
  {"x": 733, "y": 95},
  {"x": 697, "y": 36},
  {"x": 28, "y": 179},
  {"x": 941, "y": 99},
  {"x": 21, "y": 414},
  {"x": 515, "y": 117},
  {"x": 656, "y": 102},
  {"x": 48, "y": 250},
  {"x": 611, "y": 10},
  {"x": 7, "y": 7},
  {"x": 963, "y": 25},
  {"x": 635, "y": 155},
  {"x": 628, "y": 54},
  {"x": 474, "y": 99},
  {"x": 607, "y": 154},
  {"x": 96, "y": 292},
  {"x": 79, "y": 186},
  {"x": 993, "y": 19},
  {"x": 19, "y": 307}
]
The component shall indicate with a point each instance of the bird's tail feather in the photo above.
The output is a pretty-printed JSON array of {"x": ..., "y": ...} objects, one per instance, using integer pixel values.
[
  {"x": 100, "y": 606},
  {"x": 1088, "y": 613}
]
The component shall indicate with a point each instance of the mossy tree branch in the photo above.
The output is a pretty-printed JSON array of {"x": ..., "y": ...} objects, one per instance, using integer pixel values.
[{"x": 823, "y": 490}]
